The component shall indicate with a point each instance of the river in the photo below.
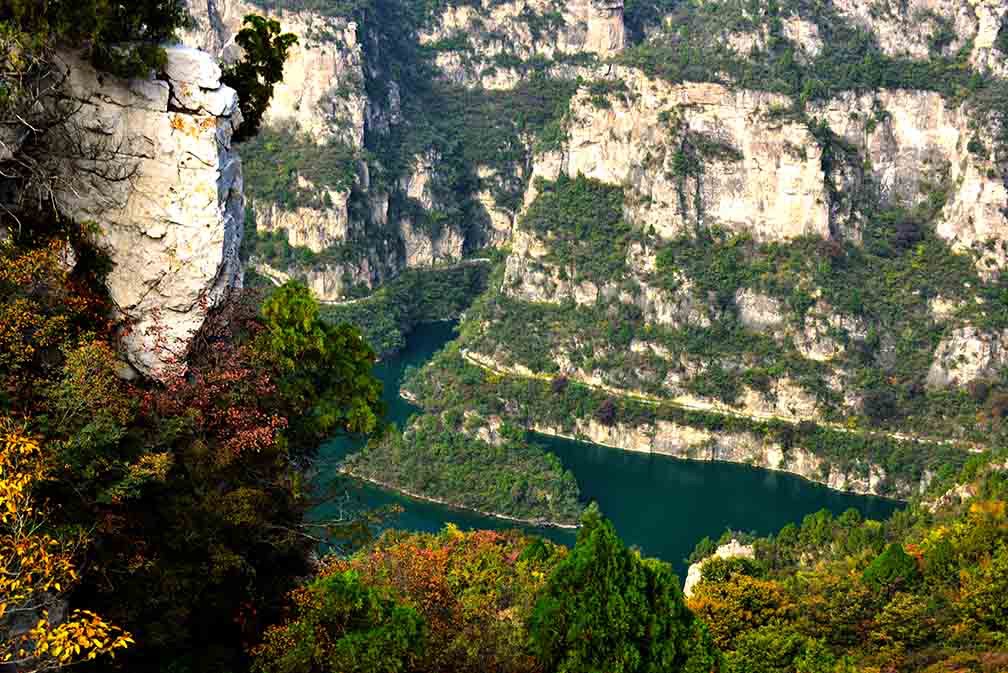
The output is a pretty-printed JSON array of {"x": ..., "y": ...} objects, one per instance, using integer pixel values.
[{"x": 662, "y": 505}]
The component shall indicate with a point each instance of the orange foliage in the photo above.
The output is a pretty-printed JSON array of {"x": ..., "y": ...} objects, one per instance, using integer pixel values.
[
  {"x": 739, "y": 604},
  {"x": 37, "y": 569},
  {"x": 473, "y": 589}
]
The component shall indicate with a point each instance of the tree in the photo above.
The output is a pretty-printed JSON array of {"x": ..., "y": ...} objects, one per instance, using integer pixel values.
[
  {"x": 892, "y": 569},
  {"x": 341, "y": 625},
  {"x": 475, "y": 591},
  {"x": 606, "y": 411},
  {"x": 985, "y": 598},
  {"x": 261, "y": 67},
  {"x": 768, "y": 649},
  {"x": 37, "y": 571},
  {"x": 738, "y": 604},
  {"x": 605, "y": 609},
  {"x": 320, "y": 367}
]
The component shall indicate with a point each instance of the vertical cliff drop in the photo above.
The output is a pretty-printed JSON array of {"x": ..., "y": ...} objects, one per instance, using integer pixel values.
[{"x": 171, "y": 219}]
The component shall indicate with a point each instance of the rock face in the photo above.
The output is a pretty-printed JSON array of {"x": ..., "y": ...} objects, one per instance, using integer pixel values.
[
  {"x": 765, "y": 176},
  {"x": 911, "y": 139},
  {"x": 166, "y": 188},
  {"x": 733, "y": 549},
  {"x": 323, "y": 97},
  {"x": 759, "y": 175},
  {"x": 488, "y": 38},
  {"x": 314, "y": 228},
  {"x": 321, "y": 92},
  {"x": 966, "y": 355},
  {"x": 908, "y": 28}
]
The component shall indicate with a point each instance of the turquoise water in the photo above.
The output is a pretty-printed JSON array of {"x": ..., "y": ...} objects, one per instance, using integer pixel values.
[{"x": 660, "y": 504}]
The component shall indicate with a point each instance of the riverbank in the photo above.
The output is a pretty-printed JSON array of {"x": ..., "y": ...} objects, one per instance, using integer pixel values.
[
  {"x": 866, "y": 463},
  {"x": 538, "y": 523},
  {"x": 660, "y": 504}
]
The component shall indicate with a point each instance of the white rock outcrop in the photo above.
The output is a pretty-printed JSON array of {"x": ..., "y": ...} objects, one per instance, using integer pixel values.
[
  {"x": 165, "y": 188},
  {"x": 732, "y": 549},
  {"x": 914, "y": 139},
  {"x": 908, "y": 28},
  {"x": 765, "y": 176}
]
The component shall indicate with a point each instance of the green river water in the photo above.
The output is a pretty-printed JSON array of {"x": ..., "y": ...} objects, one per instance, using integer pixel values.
[{"x": 662, "y": 505}]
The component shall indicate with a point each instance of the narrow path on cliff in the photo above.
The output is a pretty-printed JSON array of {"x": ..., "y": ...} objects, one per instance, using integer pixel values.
[
  {"x": 692, "y": 404},
  {"x": 278, "y": 277}
]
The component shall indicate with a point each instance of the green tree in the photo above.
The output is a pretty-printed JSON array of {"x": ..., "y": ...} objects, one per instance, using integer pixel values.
[
  {"x": 122, "y": 38},
  {"x": 322, "y": 367},
  {"x": 340, "y": 625},
  {"x": 985, "y": 598},
  {"x": 892, "y": 569},
  {"x": 770, "y": 649},
  {"x": 260, "y": 69},
  {"x": 606, "y": 609}
]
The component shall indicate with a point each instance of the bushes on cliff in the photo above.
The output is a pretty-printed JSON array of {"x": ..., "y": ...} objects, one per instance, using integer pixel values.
[
  {"x": 582, "y": 219},
  {"x": 120, "y": 38},
  {"x": 38, "y": 568}
]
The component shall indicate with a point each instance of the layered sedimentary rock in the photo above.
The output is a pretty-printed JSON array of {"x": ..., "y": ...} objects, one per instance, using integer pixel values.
[
  {"x": 321, "y": 97},
  {"x": 164, "y": 184}
]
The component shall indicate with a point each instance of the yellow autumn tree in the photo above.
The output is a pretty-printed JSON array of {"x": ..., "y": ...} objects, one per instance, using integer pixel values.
[{"x": 37, "y": 569}]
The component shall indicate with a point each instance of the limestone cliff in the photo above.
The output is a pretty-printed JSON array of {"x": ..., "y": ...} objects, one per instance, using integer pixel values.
[
  {"x": 171, "y": 217},
  {"x": 491, "y": 44},
  {"x": 323, "y": 98},
  {"x": 762, "y": 172},
  {"x": 742, "y": 179},
  {"x": 918, "y": 28}
]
